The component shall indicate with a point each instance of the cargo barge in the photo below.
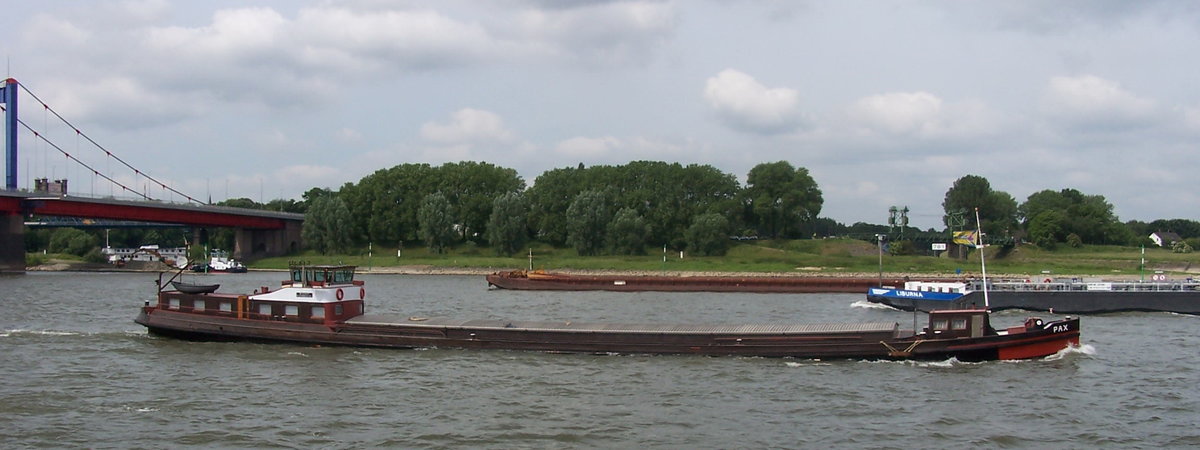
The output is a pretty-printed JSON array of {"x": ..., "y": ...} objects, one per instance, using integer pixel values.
[
  {"x": 538, "y": 280},
  {"x": 325, "y": 305},
  {"x": 1062, "y": 295}
]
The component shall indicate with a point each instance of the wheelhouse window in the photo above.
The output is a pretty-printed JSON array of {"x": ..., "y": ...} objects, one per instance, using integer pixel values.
[
  {"x": 959, "y": 323},
  {"x": 226, "y": 306},
  {"x": 941, "y": 325},
  {"x": 318, "y": 312},
  {"x": 323, "y": 274},
  {"x": 343, "y": 276},
  {"x": 264, "y": 308},
  {"x": 173, "y": 304},
  {"x": 291, "y": 310},
  {"x": 198, "y": 305}
]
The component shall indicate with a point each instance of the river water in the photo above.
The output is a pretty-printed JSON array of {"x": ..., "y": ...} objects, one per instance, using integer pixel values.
[{"x": 77, "y": 372}]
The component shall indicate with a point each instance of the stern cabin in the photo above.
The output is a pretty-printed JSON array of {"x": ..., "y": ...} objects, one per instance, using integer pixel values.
[
  {"x": 958, "y": 323},
  {"x": 322, "y": 294}
]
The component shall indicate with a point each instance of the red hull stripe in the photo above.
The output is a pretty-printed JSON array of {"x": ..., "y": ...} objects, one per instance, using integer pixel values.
[{"x": 1037, "y": 350}]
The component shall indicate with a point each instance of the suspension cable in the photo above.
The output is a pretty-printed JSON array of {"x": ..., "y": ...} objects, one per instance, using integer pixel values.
[
  {"x": 42, "y": 138},
  {"x": 105, "y": 150}
]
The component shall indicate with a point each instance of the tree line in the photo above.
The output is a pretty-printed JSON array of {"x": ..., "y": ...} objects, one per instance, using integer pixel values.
[
  {"x": 597, "y": 210},
  {"x": 625, "y": 209},
  {"x": 1050, "y": 218}
]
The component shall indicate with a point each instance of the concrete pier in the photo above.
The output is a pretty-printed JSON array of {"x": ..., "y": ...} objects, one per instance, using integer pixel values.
[{"x": 12, "y": 243}]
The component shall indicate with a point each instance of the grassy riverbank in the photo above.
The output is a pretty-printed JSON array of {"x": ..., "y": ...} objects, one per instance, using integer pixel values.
[
  {"x": 800, "y": 257},
  {"x": 817, "y": 257}
]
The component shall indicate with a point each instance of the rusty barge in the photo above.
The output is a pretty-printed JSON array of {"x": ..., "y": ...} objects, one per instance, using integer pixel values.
[
  {"x": 546, "y": 281},
  {"x": 325, "y": 305}
]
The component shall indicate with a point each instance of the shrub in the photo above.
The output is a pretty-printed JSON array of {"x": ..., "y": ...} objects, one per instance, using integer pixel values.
[{"x": 708, "y": 235}]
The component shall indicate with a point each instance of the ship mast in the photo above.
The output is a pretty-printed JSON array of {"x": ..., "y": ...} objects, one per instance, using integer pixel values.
[{"x": 982, "y": 265}]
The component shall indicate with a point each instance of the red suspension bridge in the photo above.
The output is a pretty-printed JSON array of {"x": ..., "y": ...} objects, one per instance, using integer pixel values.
[{"x": 258, "y": 233}]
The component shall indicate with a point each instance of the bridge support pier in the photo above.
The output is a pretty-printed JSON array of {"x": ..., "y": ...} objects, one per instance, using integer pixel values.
[
  {"x": 12, "y": 243},
  {"x": 250, "y": 245}
]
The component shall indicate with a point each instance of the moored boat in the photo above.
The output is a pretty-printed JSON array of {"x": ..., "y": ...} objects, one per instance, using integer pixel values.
[
  {"x": 220, "y": 262},
  {"x": 194, "y": 288},
  {"x": 1060, "y": 295},
  {"x": 325, "y": 305},
  {"x": 539, "y": 280}
]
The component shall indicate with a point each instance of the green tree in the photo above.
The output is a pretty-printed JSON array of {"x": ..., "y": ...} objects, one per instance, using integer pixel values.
[
  {"x": 507, "y": 228},
  {"x": 1074, "y": 241},
  {"x": 1185, "y": 228},
  {"x": 384, "y": 205},
  {"x": 900, "y": 248},
  {"x": 285, "y": 205},
  {"x": 1181, "y": 247},
  {"x": 784, "y": 201},
  {"x": 241, "y": 202},
  {"x": 587, "y": 219},
  {"x": 666, "y": 195},
  {"x": 708, "y": 235},
  {"x": 72, "y": 241},
  {"x": 436, "y": 218},
  {"x": 1046, "y": 229},
  {"x": 627, "y": 233},
  {"x": 471, "y": 188},
  {"x": 327, "y": 225},
  {"x": 551, "y": 195},
  {"x": 997, "y": 209},
  {"x": 1089, "y": 217}
]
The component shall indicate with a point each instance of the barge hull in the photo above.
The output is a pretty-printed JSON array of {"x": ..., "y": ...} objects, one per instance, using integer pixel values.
[
  {"x": 783, "y": 284},
  {"x": 856, "y": 341},
  {"x": 1064, "y": 302}
]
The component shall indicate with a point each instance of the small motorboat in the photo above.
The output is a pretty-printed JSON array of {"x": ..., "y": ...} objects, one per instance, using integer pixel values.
[{"x": 194, "y": 288}]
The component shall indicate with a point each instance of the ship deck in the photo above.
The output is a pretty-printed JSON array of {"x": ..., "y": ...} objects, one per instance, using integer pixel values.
[{"x": 384, "y": 320}]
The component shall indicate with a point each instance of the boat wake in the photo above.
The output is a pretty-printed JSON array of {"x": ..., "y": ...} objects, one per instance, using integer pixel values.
[
  {"x": 1083, "y": 349},
  {"x": 20, "y": 332},
  {"x": 872, "y": 305},
  {"x": 945, "y": 364},
  {"x": 948, "y": 363}
]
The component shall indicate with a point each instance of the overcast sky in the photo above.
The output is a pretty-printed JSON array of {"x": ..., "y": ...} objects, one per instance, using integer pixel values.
[{"x": 886, "y": 103}]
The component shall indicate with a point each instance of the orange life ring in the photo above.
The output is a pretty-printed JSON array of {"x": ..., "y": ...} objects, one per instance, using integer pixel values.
[
  {"x": 362, "y": 293},
  {"x": 339, "y": 293}
]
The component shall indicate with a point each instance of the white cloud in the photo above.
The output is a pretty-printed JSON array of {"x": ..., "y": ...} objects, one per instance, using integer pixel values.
[
  {"x": 271, "y": 58},
  {"x": 419, "y": 39},
  {"x": 614, "y": 150},
  {"x": 747, "y": 105},
  {"x": 602, "y": 33},
  {"x": 898, "y": 113},
  {"x": 1091, "y": 101},
  {"x": 117, "y": 101},
  {"x": 468, "y": 125},
  {"x": 922, "y": 115},
  {"x": 45, "y": 30},
  {"x": 588, "y": 147}
]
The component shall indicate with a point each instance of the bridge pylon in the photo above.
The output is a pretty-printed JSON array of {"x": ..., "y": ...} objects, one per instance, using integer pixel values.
[{"x": 8, "y": 96}]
